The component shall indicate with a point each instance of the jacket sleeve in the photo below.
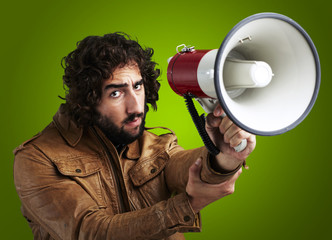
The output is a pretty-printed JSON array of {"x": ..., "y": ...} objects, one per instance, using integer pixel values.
[
  {"x": 63, "y": 208},
  {"x": 177, "y": 170}
]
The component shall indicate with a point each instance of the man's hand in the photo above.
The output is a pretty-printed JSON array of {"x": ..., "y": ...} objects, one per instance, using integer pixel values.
[
  {"x": 201, "y": 194},
  {"x": 226, "y": 135}
]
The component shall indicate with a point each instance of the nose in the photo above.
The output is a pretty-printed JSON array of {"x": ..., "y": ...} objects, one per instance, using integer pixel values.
[{"x": 134, "y": 103}]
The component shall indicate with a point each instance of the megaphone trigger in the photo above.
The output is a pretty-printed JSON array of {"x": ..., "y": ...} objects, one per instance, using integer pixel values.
[{"x": 241, "y": 146}]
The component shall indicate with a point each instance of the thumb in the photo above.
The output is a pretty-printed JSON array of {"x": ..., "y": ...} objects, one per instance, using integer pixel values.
[
  {"x": 195, "y": 170},
  {"x": 212, "y": 121},
  {"x": 218, "y": 111}
]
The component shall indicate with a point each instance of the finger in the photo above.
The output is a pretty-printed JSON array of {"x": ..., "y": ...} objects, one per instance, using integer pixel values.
[
  {"x": 228, "y": 187},
  {"x": 251, "y": 143},
  {"x": 218, "y": 111},
  {"x": 252, "y": 138},
  {"x": 225, "y": 124},
  {"x": 231, "y": 132},
  {"x": 212, "y": 121},
  {"x": 235, "y": 135},
  {"x": 195, "y": 170},
  {"x": 238, "y": 137}
]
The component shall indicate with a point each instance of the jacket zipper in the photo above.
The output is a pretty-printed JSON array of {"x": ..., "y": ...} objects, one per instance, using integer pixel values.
[
  {"x": 132, "y": 205},
  {"x": 115, "y": 175}
]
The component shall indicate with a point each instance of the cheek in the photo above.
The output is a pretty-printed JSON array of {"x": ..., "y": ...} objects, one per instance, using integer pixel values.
[
  {"x": 102, "y": 108},
  {"x": 112, "y": 112},
  {"x": 143, "y": 99}
]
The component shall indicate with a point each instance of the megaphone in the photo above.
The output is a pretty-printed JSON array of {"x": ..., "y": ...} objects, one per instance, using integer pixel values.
[{"x": 265, "y": 75}]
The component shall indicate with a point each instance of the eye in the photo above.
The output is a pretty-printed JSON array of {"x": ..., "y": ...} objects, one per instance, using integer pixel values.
[
  {"x": 115, "y": 94},
  {"x": 138, "y": 86}
]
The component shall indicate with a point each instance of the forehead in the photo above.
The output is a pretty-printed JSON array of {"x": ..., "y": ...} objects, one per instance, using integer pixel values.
[{"x": 126, "y": 74}]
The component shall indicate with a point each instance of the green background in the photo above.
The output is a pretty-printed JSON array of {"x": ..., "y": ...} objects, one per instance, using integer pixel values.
[{"x": 286, "y": 193}]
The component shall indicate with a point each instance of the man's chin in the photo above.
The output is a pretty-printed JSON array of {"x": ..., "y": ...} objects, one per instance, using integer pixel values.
[
  {"x": 123, "y": 135},
  {"x": 130, "y": 136},
  {"x": 134, "y": 132}
]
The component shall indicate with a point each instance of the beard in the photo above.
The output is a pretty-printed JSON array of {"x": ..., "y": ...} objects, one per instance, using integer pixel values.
[{"x": 118, "y": 135}]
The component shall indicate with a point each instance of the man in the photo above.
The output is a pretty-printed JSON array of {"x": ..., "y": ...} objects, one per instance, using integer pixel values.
[{"x": 96, "y": 173}]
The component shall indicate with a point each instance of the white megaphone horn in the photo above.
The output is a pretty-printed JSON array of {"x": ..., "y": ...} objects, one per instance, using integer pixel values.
[{"x": 265, "y": 75}]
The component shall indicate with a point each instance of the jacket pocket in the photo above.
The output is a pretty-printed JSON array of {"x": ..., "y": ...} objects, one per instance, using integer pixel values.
[
  {"x": 77, "y": 166},
  {"x": 148, "y": 178},
  {"x": 86, "y": 172},
  {"x": 147, "y": 169}
]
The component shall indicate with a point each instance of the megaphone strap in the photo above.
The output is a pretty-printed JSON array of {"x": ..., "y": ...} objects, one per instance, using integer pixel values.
[{"x": 200, "y": 126}]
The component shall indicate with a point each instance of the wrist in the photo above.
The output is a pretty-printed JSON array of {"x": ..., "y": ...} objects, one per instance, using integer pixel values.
[
  {"x": 194, "y": 204},
  {"x": 223, "y": 164}
]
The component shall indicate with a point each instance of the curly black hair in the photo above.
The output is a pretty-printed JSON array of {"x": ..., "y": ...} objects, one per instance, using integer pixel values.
[{"x": 92, "y": 62}]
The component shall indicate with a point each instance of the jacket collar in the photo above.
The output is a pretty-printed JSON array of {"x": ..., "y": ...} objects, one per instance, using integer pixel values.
[
  {"x": 133, "y": 150},
  {"x": 73, "y": 134},
  {"x": 130, "y": 151},
  {"x": 67, "y": 128},
  {"x": 150, "y": 142}
]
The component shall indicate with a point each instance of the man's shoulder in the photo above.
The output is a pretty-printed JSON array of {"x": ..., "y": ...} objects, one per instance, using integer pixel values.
[
  {"x": 158, "y": 140},
  {"x": 61, "y": 135},
  {"x": 159, "y": 134},
  {"x": 47, "y": 137}
]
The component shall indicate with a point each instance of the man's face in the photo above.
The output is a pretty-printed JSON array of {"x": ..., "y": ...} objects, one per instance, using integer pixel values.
[{"x": 122, "y": 105}]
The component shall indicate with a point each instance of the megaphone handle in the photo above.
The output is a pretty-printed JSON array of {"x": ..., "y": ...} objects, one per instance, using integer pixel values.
[
  {"x": 243, "y": 143},
  {"x": 241, "y": 146},
  {"x": 200, "y": 126}
]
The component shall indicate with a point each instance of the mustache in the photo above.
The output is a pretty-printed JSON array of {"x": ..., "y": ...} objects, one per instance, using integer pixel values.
[{"x": 131, "y": 117}]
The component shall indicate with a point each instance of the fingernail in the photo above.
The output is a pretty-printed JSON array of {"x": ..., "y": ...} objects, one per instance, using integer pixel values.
[{"x": 198, "y": 161}]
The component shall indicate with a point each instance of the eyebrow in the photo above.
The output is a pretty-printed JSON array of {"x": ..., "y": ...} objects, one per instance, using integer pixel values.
[
  {"x": 121, "y": 85},
  {"x": 115, "y": 86}
]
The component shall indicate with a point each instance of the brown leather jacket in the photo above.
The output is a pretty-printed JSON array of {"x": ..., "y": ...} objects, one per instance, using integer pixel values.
[{"x": 73, "y": 184}]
